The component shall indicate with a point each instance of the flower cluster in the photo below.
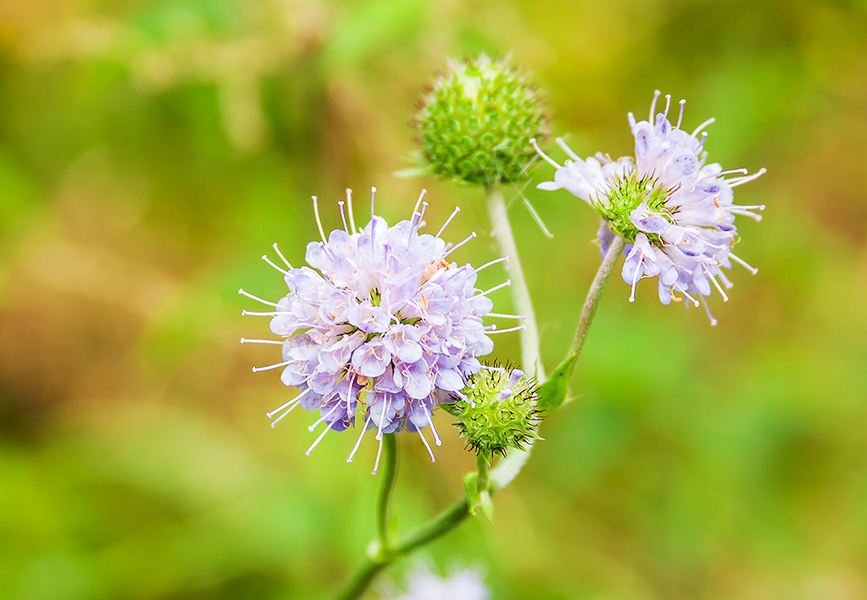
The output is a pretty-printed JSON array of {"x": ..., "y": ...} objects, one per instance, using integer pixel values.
[
  {"x": 382, "y": 323},
  {"x": 676, "y": 212}
]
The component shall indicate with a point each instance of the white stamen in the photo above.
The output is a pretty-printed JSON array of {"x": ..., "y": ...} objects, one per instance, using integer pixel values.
[
  {"x": 249, "y": 341},
  {"x": 280, "y": 254},
  {"x": 506, "y": 283},
  {"x": 419, "y": 223},
  {"x": 635, "y": 279},
  {"x": 268, "y": 260},
  {"x": 500, "y": 316},
  {"x": 294, "y": 400},
  {"x": 379, "y": 437},
  {"x": 417, "y": 202},
  {"x": 294, "y": 403},
  {"x": 742, "y": 180},
  {"x": 680, "y": 118},
  {"x": 543, "y": 155},
  {"x": 489, "y": 327},
  {"x": 718, "y": 287},
  {"x": 271, "y": 367},
  {"x": 752, "y": 270},
  {"x": 690, "y": 298},
  {"x": 349, "y": 208},
  {"x": 459, "y": 244},
  {"x": 746, "y": 213},
  {"x": 372, "y": 196},
  {"x": 538, "y": 219},
  {"x": 318, "y": 220},
  {"x": 250, "y": 313},
  {"x": 732, "y": 171},
  {"x": 510, "y": 330},
  {"x": 726, "y": 282},
  {"x": 492, "y": 263},
  {"x": 449, "y": 220},
  {"x": 653, "y": 106},
  {"x": 257, "y": 298},
  {"x": 426, "y": 445},
  {"x": 667, "y": 104},
  {"x": 319, "y": 439},
  {"x": 312, "y": 428},
  {"x": 433, "y": 429},
  {"x": 703, "y": 125},
  {"x": 341, "y": 203},
  {"x": 358, "y": 441},
  {"x": 566, "y": 148},
  {"x": 713, "y": 321},
  {"x": 497, "y": 369}
]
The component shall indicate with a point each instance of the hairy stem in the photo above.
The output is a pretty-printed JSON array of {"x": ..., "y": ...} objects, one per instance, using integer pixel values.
[
  {"x": 389, "y": 477},
  {"x": 592, "y": 301},
  {"x": 502, "y": 232}
]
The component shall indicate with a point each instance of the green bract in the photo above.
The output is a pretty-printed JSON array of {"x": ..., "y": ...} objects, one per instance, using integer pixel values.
[
  {"x": 500, "y": 411},
  {"x": 625, "y": 196},
  {"x": 476, "y": 121}
]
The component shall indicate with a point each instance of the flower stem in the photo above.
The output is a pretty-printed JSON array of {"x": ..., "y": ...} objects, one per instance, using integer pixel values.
[
  {"x": 389, "y": 477},
  {"x": 592, "y": 301},
  {"x": 502, "y": 232}
]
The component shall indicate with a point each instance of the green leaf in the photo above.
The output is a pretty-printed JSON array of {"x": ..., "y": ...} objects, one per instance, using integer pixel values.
[{"x": 552, "y": 393}]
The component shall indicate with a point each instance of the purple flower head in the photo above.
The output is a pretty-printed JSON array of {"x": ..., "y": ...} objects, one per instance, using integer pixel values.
[
  {"x": 675, "y": 211},
  {"x": 380, "y": 329}
]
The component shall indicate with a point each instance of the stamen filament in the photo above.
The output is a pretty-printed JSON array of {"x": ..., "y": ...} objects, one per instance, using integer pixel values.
[
  {"x": 509, "y": 330},
  {"x": 543, "y": 155},
  {"x": 319, "y": 439},
  {"x": 318, "y": 220},
  {"x": 349, "y": 207},
  {"x": 492, "y": 263},
  {"x": 256, "y": 298},
  {"x": 280, "y": 254},
  {"x": 426, "y": 445},
  {"x": 249, "y": 341},
  {"x": 293, "y": 400},
  {"x": 449, "y": 220},
  {"x": 502, "y": 316},
  {"x": 752, "y": 270},
  {"x": 433, "y": 429},
  {"x": 566, "y": 149},
  {"x": 653, "y": 106},
  {"x": 312, "y": 428},
  {"x": 268, "y": 260},
  {"x": 415, "y": 208},
  {"x": 271, "y": 367},
  {"x": 680, "y": 118},
  {"x": 358, "y": 441},
  {"x": 341, "y": 204},
  {"x": 459, "y": 244},
  {"x": 506, "y": 283},
  {"x": 703, "y": 125}
]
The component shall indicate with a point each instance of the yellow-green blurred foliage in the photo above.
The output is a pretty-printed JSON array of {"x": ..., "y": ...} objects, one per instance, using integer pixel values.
[{"x": 152, "y": 150}]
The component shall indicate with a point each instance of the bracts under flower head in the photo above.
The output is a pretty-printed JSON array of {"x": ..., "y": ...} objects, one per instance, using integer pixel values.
[
  {"x": 675, "y": 212},
  {"x": 380, "y": 327}
]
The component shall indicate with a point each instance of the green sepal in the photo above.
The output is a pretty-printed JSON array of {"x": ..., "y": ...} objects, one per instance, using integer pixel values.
[
  {"x": 414, "y": 172},
  {"x": 553, "y": 392}
]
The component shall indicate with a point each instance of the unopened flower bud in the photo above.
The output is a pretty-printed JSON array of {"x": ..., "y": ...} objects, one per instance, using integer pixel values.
[
  {"x": 476, "y": 120},
  {"x": 498, "y": 411}
]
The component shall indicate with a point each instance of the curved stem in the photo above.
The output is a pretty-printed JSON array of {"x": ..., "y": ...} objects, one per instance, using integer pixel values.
[
  {"x": 502, "y": 232},
  {"x": 383, "y": 504},
  {"x": 592, "y": 301}
]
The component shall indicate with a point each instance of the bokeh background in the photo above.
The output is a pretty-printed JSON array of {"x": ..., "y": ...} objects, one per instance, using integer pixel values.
[{"x": 152, "y": 150}]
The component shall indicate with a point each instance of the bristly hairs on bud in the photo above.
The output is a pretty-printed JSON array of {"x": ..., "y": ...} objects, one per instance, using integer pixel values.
[
  {"x": 475, "y": 122},
  {"x": 497, "y": 410}
]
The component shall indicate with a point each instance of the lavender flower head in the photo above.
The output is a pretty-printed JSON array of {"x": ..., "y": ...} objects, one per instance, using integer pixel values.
[
  {"x": 382, "y": 327},
  {"x": 676, "y": 212}
]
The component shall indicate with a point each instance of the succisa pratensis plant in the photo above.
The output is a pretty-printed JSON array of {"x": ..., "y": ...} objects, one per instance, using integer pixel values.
[{"x": 382, "y": 327}]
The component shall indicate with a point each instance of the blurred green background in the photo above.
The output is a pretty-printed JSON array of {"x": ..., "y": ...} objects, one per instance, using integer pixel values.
[{"x": 151, "y": 151}]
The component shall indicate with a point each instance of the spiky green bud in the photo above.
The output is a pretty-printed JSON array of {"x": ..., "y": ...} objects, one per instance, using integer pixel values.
[
  {"x": 500, "y": 411},
  {"x": 476, "y": 120}
]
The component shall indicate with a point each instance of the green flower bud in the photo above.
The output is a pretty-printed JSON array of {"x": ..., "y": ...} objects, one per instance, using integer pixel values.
[
  {"x": 499, "y": 411},
  {"x": 476, "y": 120}
]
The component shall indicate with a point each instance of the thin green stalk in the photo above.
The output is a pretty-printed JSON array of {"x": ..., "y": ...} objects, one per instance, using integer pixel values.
[
  {"x": 389, "y": 477},
  {"x": 592, "y": 301},
  {"x": 502, "y": 232},
  {"x": 483, "y": 466}
]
